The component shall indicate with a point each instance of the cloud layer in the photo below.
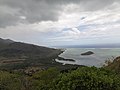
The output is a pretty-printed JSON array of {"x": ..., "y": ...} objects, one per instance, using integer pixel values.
[{"x": 60, "y": 22}]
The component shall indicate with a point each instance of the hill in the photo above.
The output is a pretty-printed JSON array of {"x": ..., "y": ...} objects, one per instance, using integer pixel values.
[
  {"x": 4, "y": 42},
  {"x": 115, "y": 65},
  {"x": 18, "y": 55}
]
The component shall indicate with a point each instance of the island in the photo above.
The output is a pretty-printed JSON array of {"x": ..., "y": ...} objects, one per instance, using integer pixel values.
[
  {"x": 87, "y": 53},
  {"x": 61, "y": 58}
]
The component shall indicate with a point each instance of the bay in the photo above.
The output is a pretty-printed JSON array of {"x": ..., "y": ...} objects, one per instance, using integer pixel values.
[{"x": 97, "y": 59}]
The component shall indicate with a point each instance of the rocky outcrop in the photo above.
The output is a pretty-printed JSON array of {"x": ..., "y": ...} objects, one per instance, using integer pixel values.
[{"x": 87, "y": 53}]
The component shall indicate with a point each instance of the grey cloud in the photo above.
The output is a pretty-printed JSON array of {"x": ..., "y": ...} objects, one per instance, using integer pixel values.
[
  {"x": 92, "y": 5},
  {"x": 34, "y": 11},
  {"x": 44, "y": 10},
  {"x": 7, "y": 20},
  {"x": 8, "y": 16}
]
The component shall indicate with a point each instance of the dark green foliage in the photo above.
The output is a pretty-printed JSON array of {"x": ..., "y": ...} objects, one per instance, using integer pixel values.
[
  {"x": 84, "y": 78},
  {"x": 87, "y": 78},
  {"x": 43, "y": 80},
  {"x": 9, "y": 81}
]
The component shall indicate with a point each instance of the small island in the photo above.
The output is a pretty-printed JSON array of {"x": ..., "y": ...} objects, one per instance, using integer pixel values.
[
  {"x": 87, "y": 53},
  {"x": 61, "y": 58}
]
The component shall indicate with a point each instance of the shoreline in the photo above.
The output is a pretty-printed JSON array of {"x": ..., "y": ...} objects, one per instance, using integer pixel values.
[{"x": 61, "y": 58}]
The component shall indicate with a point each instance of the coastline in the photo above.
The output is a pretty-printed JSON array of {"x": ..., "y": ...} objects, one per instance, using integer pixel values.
[{"x": 61, "y": 58}]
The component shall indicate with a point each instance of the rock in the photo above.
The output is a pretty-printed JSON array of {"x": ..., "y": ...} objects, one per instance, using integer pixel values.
[{"x": 87, "y": 53}]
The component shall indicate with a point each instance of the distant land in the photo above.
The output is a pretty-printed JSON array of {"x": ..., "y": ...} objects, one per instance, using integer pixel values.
[
  {"x": 116, "y": 45},
  {"x": 22, "y": 56}
]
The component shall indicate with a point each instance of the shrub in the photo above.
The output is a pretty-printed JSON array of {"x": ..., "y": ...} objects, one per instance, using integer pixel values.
[{"x": 87, "y": 78}]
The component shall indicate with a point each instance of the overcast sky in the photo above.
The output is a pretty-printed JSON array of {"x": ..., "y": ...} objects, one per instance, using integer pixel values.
[{"x": 60, "y": 22}]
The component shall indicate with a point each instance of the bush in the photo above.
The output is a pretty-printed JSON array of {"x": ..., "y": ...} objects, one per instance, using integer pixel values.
[
  {"x": 42, "y": 80},
  {"x": 84, "y": 78},
  {"x": 87, "y": 78},
  {"x": 9, "y": 81}
]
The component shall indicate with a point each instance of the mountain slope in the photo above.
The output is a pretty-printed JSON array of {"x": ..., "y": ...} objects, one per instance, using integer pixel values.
[
  {"x": 16, "y": 55},
  {"x": 18, "y": 48},
  {"x": 4, "y": 42}
]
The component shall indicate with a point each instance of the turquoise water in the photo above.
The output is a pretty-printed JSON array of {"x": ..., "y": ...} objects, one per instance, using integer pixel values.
[{"x": 97, "y": 59}]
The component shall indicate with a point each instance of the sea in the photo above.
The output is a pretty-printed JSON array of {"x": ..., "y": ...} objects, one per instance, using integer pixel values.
[{"x": 97, "y": 59}]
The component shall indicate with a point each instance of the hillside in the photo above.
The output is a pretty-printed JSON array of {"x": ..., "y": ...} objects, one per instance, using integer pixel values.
[
  {"x": 115, "y": 65},
  {"x": 4, "y": 42},
  {"x": 17, "y": 55},
  {"x": 16, "y": 49}
]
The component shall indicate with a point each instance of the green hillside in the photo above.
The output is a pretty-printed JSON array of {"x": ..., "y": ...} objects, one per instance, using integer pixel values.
[{"x": 17, "y": 55}]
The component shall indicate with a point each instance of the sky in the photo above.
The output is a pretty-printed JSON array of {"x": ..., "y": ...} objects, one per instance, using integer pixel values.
[{"x": 60, "y": 22}]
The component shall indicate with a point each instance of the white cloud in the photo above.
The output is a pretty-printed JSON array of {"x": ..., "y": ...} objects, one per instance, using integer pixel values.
[{"x": 22, "y": 17}]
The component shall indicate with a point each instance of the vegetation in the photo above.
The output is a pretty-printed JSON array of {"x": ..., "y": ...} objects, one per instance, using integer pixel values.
[
  {"x": 10, "y": 81},
  {"x": 88, "y": 78},
  {"x": 84, "y": 78}
]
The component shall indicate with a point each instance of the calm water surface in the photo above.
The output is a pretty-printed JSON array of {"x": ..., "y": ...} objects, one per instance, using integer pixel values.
[{"x": 97, "y": 59}]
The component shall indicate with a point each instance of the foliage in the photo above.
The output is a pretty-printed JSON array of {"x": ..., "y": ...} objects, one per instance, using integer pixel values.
[
  {"x": 87, "y": 78},
  {"x": 43, "y": 79},
  {"x": 84, "y": 78},
  {"x": 9, "y": 81}
]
